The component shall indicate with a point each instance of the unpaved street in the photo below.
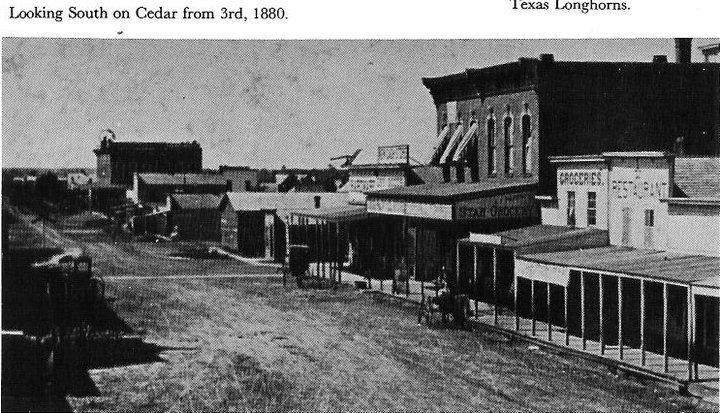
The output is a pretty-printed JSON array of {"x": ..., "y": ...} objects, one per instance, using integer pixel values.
[{"x": 248, "y": 343}]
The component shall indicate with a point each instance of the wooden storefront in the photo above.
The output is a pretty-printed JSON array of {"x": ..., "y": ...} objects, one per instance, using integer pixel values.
[
  {"x": 426, "y": 221},
  {"x": 626, "y": 299}
]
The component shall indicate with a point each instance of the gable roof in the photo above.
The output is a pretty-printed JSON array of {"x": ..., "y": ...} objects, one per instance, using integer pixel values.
[
  {"x": 182, "y": 179},
  {"x": 697, "y": 177}
]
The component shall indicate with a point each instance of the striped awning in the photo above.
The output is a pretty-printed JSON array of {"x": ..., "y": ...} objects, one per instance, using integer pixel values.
[
  {"x": 465, "y": 141},
  {"x": 441, "y": 140},
  {"x": 456, "y": 136}
]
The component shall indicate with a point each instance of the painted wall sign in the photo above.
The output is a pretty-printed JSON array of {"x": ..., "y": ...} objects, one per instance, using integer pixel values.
[
  {"x": 518, "y": 205},
  {"x": 394, "y": 154},
  {"x": 639, "y": 187},
  {"x": 409, "y": 209},
  {"x": 579, "y": 178},
  {"x": 374, "y": 183}
]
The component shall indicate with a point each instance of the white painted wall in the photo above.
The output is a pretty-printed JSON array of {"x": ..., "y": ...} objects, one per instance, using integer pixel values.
[
  {"x": 693, "y": 229},
  {"x": 581, "y": 178},
  {"x": 639, "y": 184}
]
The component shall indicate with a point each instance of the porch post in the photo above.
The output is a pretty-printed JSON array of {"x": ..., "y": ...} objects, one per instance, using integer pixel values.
[
  {"x": 332, "y": 259},
  {"x": 532, "y": 304},
  {"x": 567, "y": 324},
  {"x": 339, "y": 253},
  {"x": 288, "y": 238},
  {"x": 642, "y": 322},
  {"x": 516, "y": 281},
  {"x": 620, "y": 314},
  {"x": 582, "y": 310},
  {"x": 549, "y": 317},
  {"x": 602, "y": 338},
  {"x": 665, "y": 327},
  {"x": 475, "y": 279},
  {"x": 688, "y": 315},
  {"x": 406, "y": 256},
  {"x": 457, "y": 266},
  {"x": 495, "y": 297},
  {"x": 326, "y": 249},
  {"x": 694, "y": 331},
  {"x": 317, "y": 247}
]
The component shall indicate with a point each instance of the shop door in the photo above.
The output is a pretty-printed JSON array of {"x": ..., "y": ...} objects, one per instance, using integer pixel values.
[{"x": 626, "y": 225}]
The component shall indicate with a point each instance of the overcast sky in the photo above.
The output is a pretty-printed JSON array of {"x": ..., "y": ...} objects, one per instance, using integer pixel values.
[{"x": 257, "y": 103}]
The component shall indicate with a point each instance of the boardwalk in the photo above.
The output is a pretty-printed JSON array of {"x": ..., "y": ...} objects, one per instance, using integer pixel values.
[{"x": 677, "y": 371}]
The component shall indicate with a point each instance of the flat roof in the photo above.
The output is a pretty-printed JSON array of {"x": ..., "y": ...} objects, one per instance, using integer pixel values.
[
  {"x": 661, "y": 265},
  {"x": 576, "y": 158},
  {"x": 638, "y": 154},
  {"x": 449, "y": 192}
]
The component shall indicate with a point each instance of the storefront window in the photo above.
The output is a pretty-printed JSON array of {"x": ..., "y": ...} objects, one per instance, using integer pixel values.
[
  {"x": 571, "y": 208},
  {"x": 491, "y": 144},
  {"x": 649, "y": 218},
  {"x": 507, "y": 128},
  {"x": 592, "y": 208},
  {"x": 527, "y": 159}
]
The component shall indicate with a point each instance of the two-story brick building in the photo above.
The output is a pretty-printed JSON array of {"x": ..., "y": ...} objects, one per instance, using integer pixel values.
[{"x": 497, "y": 127}]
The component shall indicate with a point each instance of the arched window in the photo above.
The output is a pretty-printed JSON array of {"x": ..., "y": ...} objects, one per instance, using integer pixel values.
[
  {"x": 526, "y": 141},
  {"x": 492, "y": 150},
  {"x": 508, "y": 135}
]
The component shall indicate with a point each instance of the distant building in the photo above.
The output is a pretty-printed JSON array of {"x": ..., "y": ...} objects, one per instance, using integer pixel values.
[
  {"x": 195, "y": 216},
  {"x": 254, "y": 223},
  {"x": 118, "y": 161},
  {"x": 242, "y": 177},
  {"x": 155, "y": 187}
]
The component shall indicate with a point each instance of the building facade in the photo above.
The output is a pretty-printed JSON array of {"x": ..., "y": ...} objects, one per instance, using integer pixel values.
[
  {"x": 505, "y": 121},
  {"x": 655, "y": 287},
  {"x": 117, "y": 162},
  {"x": 255, "y": 223}
]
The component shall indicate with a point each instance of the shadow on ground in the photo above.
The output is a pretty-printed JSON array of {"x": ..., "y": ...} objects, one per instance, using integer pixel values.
[{"x": 43, "y": 363}]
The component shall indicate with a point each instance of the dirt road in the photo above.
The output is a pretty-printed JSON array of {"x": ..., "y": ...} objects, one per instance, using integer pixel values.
[{"x": 248, "y": 343}]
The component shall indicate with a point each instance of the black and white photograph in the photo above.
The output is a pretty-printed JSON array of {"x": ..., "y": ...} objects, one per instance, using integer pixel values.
[{"x": 360, "y": 224}]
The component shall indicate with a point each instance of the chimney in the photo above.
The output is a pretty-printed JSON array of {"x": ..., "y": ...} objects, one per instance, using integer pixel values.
[
  {"x": 660, "y": 58},
  {"x": 682, "y": 50},
  {"x": 547, "y": 58},
  {"x": 679, "y": 146}
]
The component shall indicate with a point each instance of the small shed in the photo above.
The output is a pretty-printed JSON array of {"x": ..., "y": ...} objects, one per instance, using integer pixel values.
[{"x": 196, "y": 216}]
